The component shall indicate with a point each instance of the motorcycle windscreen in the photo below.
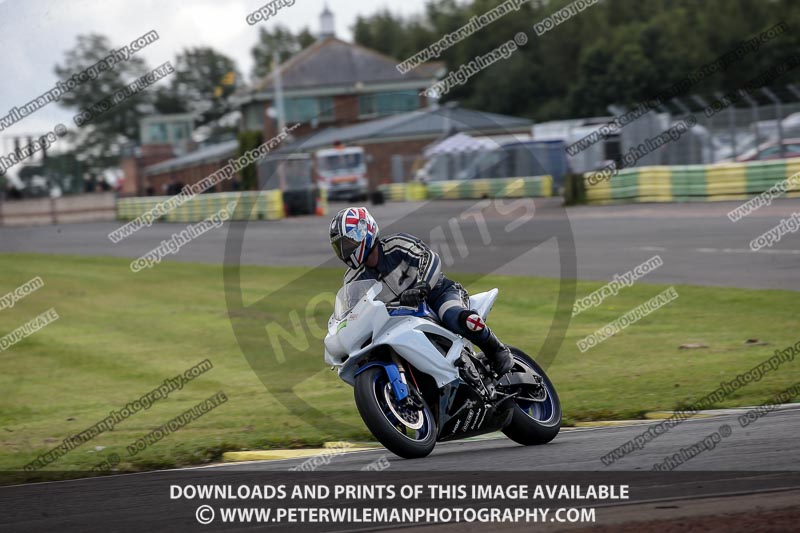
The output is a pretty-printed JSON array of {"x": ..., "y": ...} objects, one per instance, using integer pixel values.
[{"x": 349, "y": 295}]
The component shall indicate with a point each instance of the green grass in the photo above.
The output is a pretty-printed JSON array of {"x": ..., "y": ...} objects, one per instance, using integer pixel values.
[{"x": 121, "y": 334}]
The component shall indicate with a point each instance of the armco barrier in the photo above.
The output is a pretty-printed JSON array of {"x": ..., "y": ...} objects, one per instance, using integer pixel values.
[
  {"x": 40, "y": 211},
  {"x": 693, "y": 183},
  {"x": 538, "y": 186},
  {"x": 255, "y": 205}
]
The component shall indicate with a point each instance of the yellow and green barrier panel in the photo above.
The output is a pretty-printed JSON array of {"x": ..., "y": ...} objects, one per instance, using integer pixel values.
[
  {"x": 625, "y": 185},
  {"x": 727, "y": 182},
  {"x": 404, "y": 192},
  {"x": 252, "y": 205},
  {"x": 688, "y": 183},
  {"x": 415, "y": 192},
  {"x": 693, "y": 183},
  {"x": 538, "y": 186},
  {"x": 655, "y": 184},
  {"x": 446, "y": 190},
  {"x": 394, "y": 192},
  {"x": 599, "y": 193},
  {"x": 793, "y": 169}
]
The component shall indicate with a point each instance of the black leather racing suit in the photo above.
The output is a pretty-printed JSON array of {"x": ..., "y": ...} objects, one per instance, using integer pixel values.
[{"x": 404, "y": 261}]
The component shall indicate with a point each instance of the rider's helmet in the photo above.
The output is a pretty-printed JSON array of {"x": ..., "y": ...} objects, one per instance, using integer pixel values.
[{"x": 354, "y": 233}]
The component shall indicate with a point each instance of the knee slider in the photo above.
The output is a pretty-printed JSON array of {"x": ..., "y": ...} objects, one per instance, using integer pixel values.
[{"x": 471, "y": 321}]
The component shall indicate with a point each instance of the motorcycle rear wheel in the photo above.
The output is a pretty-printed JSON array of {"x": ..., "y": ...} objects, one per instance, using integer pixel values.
[{"x": 534, "y": 422}]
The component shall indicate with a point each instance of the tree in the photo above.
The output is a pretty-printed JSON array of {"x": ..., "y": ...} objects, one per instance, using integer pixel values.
[
  {"x": 202, "y": 83},
  {"x": 99, "y": 141},
  {"x": 249, "y": 140},
  {"x": 167, "y": 102},
  {"x": 305, "y": 39},
  {"x": 281, "y": 40},
  {"x": 382, "y": 32},
  {"x": 614, "y": 52}
]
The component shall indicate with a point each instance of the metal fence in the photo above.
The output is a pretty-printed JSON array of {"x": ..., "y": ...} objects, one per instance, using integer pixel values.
[{"x": 760, "y": 126}]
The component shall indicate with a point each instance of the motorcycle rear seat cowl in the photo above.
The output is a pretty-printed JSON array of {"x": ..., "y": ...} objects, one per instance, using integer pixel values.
[{"x": 482, "y": 302}]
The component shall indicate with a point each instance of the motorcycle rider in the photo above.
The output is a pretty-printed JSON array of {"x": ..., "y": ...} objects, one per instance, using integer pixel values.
[{"x": 411, "y": 273}]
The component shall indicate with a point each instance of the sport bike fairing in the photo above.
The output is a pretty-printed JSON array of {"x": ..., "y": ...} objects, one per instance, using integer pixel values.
[{"x": 354, "y": 333}]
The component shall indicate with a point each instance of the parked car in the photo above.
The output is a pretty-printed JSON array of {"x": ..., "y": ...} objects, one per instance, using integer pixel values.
[{"x": 772, "y": 150}]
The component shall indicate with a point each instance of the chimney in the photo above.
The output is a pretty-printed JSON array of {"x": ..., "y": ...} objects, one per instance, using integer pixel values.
[{"x": 326, "y": 26}]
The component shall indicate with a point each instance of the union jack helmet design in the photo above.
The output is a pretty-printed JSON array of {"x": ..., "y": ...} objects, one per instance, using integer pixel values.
[{"x": 354, "y": 234}]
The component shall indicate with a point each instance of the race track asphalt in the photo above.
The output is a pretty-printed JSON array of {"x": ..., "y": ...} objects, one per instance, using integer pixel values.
[
  {"x": 761, "y": 458},
  {"x": 767, "y": 444},
  {"x": 697, "y": 242}
]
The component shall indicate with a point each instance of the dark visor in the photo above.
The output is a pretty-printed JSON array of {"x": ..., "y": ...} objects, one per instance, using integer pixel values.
[
  {"x": 344, "y": 247},
  {"x": 349, "y": 242}
]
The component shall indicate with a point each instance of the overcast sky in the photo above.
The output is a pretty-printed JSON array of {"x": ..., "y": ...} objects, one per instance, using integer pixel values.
[{"x": 35, "y": 33}]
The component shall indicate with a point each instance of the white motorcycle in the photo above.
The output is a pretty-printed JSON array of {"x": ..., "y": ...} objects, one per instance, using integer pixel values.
[{"x": 417, "y": 383}]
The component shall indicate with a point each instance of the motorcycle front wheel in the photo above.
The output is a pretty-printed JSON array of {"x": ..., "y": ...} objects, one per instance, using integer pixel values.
[{"x": 404, "y": 431}]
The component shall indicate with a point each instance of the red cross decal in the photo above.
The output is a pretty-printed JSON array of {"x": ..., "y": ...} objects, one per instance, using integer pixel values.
[{"x": 475, "y": 323}]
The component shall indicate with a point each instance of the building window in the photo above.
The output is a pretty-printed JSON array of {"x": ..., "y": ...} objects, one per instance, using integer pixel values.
[
  {"x": 306, "y": 109},
  {"x": 254, "y": 117},
  {"x": 387, "y": 103},
  {"x": 166, "y": 129},
  {"x": 326, "y": 110},
  {"x": 181, "y": 132},
  {"x": 157, "y": 134}
]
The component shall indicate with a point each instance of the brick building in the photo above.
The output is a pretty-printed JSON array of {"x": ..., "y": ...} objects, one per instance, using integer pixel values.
[
  {"x": 339, "y": 93},
  {"x": 134, "y": 161},
  {"x": 333, "y": 83},
  {"x": 161, "y": 138},
  {"x": 193, "y": 167},
  {"x": 406, "y": 135}
]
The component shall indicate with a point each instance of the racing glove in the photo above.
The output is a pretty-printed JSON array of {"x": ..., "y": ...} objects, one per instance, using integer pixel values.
[{"x": 415, "y": 295}]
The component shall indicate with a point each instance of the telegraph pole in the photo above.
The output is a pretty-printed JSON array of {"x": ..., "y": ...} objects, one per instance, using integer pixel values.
[
  {"x": 278, "y": 85},
  {"x": 3, "y": 181}
]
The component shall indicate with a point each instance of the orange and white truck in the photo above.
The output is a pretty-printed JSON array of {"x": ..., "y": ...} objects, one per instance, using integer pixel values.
[{"x": 342, "y": 172}]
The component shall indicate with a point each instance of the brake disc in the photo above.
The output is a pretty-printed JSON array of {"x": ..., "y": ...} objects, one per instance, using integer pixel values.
[{"x": 410, "y": 419}]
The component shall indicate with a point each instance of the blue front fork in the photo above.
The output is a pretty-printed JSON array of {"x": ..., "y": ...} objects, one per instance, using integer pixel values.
[{"x": 399, "y": 389}]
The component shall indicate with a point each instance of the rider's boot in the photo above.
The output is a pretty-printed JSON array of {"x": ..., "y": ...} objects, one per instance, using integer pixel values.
[
  {"x": 497, "y": 353},
  {"x": 476, "y": 331}
]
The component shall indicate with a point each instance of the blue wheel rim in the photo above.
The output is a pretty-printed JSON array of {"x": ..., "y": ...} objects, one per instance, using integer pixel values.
[
  {"x": 421, "y": 434},
  {"x": 542, "y": 412}
]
